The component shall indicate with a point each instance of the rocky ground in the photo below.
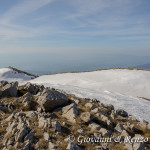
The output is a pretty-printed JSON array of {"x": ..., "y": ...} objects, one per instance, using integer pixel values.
[{"x": 34, "y": 117}]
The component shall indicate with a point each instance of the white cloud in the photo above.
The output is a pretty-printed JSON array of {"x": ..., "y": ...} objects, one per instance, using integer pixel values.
[
  {"x": 22, "y": 8},
  {"x": 87, "y": 18}
]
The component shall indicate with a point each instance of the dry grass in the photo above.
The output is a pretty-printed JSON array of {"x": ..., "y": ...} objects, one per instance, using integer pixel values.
[
  {"x": 43, "y": 144},
  {"x": 38, "y": 133},
  {"x": 9, "y": 135},
  {"x": 100, "y": 70},
  {"x": 145, "y": 98}
]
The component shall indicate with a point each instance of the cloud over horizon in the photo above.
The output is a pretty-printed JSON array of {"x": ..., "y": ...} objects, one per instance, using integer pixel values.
[{"x": 58, "y": 24}]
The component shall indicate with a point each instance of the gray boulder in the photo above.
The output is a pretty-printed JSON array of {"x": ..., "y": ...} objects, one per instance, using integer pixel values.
[
  {"x": 22, "y": 133},
  {"x": 33, "y": 88},
  {"x": 3, "y": 83},
  {"x": 70, "y": 112},
  {"x": 10, "y": 90},
  {"x": 51, "y": 99}
]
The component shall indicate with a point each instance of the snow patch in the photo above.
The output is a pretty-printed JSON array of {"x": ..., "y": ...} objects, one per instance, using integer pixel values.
[{"x": 120, "y": 87}]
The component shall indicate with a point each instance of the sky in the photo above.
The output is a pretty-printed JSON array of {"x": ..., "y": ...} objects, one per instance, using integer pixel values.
[{"x": 72, "y": 30}]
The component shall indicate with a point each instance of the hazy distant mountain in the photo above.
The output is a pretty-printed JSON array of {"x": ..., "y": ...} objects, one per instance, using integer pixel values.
[{"x": 144, "y": 66}]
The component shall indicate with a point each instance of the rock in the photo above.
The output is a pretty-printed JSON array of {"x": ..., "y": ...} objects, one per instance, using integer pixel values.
[
  {"x": 52, "y": 99},
  {"x": 106, "y": 121},
  {"x": 52, "y": 146},
  {"x": 31, "y": 114},
  {"x": 28, "y": 146},
  {"x": 53, "y": 116},
  {"x": 95, "y": 110},
  {"x": 124, "y": 133},
  {"x": 70, "y": 112},
  {"x": 31, "y": 88},
  {"x": 4, "y": 109},
  {"x": 81, "y": 131},
  {"x": 59, "y": 134},
  {"x": 119, "y": 128},
  {"x": 134, "y": 129},
  {"x": 108, "y": 106},
  {"x": 27, "y": 97},
  {"x": 90, "y": 105},
  {"x": 94, "y": 126},
  {"x": 10, "y": 90},
  {"x": 129, "y": 146},
  {"x": 75, "y": 100},
  {"x": 136, "y": 145},
  {"x": 121, "y": 113},
  {"x": 73, "y": 146},
  {"x": 56, "y": 125},
  {"x": 113, "y": 114},
  {"x": 86, "y": 117},
  {"x": 9, "y": 141},
  {"x": 39, "y": 109},
  {"x": 22, "y": 133},
  {"x": 46, "y": 136},
  {"x": 27, "y": 104},
  {"x": 3, "y": 83},
  {"x": 11, "y": 129},
  {"x": 30, "y": 136},
  {"x": 143, "y": 124},
  {"x": 11, "y": 107},
  {"x": 104, "y": 132},
  {"x": 43, "y": 122}
]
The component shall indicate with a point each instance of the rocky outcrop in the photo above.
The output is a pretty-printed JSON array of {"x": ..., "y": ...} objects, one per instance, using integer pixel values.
[
  {"x": 50, "y": 119},
  {"x": 9, "y": 89},
  {"x": 33, "y": 88},
  {"x": 70, "y": 112},
  {"x": 51, "y": 99}
]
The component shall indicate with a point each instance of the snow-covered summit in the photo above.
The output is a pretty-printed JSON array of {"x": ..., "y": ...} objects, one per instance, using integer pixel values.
[
  {"x": 12, "y": 74},
  {"x": 124, "y": 81},
  {"x": 120, "y": 87}
]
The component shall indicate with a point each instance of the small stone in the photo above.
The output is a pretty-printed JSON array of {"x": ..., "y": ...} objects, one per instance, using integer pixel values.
[
  {"x": 46, "y": 136},
  {"x": 119, "y": 128},
  {"x": 73, "y": 146},
  {"x": 52, "y": 146},
  {"x": 86, "y": 117},
  {"x": 94, "y": 126},
  {"x": 56, "y": 125},
  {"x": 122, "y": 113},
  {"x": 70, "y": 112},
  {"x": 124, "y": 133},
  {"x": 104, "y": 132}
]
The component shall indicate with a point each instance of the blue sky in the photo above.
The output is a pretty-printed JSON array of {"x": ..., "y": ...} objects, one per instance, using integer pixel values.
[{"x": 75, "y": 27}]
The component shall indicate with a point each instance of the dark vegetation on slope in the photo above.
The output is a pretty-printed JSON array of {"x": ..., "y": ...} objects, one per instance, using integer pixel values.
[{"x": 20, "y": 71}]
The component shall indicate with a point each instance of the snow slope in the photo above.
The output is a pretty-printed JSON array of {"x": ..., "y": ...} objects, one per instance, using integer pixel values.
[
  {"x": 120, "y": 87},
  {"x": 10, "y": 75}
]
